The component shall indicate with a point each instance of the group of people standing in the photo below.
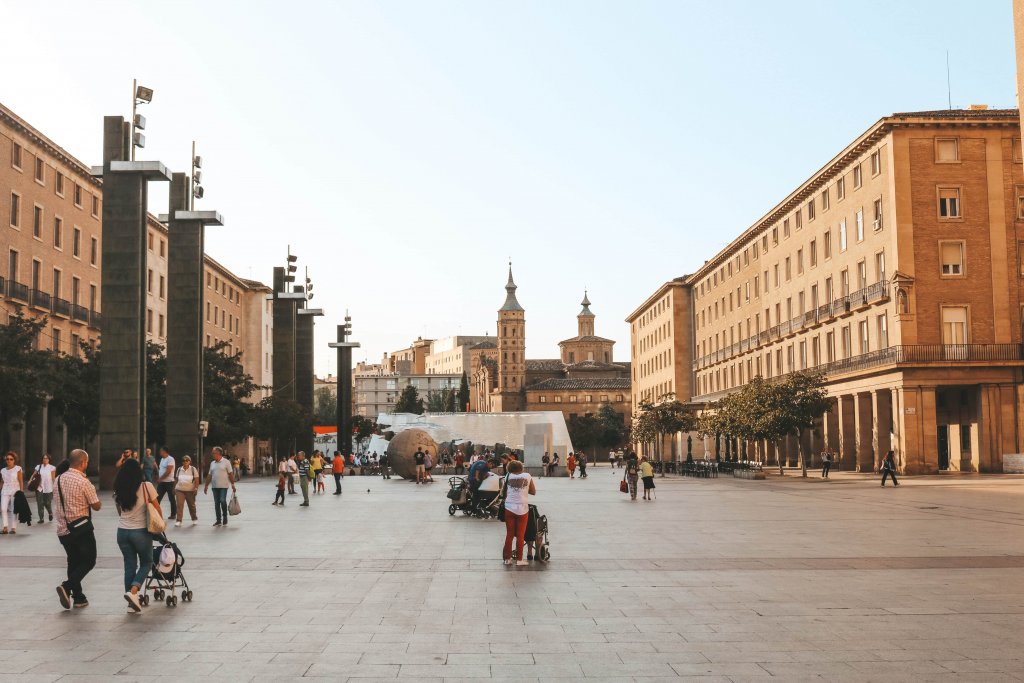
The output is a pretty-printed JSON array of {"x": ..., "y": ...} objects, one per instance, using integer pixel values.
[{"x": 576, "y": 460}]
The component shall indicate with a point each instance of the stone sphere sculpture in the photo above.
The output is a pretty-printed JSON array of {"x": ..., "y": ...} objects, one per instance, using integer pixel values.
[{"x": 403, "y": 446}]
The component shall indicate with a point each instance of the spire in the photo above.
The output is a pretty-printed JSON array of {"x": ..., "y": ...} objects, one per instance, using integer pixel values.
[
  {"x": 586, "y": 305},
  {"x": 511, "y": 304}
]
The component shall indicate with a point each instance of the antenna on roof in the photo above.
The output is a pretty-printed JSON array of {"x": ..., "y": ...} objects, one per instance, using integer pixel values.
[{"x": 949, "y": 91}]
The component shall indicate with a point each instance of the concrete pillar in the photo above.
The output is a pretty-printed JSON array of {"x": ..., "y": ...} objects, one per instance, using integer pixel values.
[
  {"x": 847, "y": 451},
  {"x": 864, "y": 429},
  {"x": 123, "y": 379},
  {"x": 304, "y": 372},
  {"x": 917, "y": 429},
  {"x": 283, "y": 358},
  {"x": 830, "y": 426},
  {"x": 344, "y": 411},
  {"x": 881, "y": 408}
]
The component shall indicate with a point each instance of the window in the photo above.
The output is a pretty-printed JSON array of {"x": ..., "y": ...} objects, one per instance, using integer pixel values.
[
  {"x": 856, "y": 177},
  {"x": 775, "y": 235},
  {"x": 619, "y": 398},
  {"x": 76, "y": 243},
  {"x": 16, "y": 155},
  {"x": 862, "y": 274},
  {"x": 841, "y": 189},
  {"x": 543, "y": 399},
  {"x": 799, "y": 217},
  {"x": 954, "y": 324},
  {"x": 865, "y": 343},
  {"x": 876, "y": 222},
  {"x": 163, "y": 248},
  {"x": 828, "y": 290},
  {"x": 149, "y": 321},
  {"x": 37, "y": 222},
  {"x": 799, "y": 261},
  {"x": 56, "y": 282},
  {"x": 558, "y": 399},
  {"x": 859, "y": 220},
  {"x": 947, "y": 150},
  {"x": 12, "y": 266},
  {"x": 810, "y": 211},
  {"x": 824, "y": 199},
  {"x": 844, "y": 282},
  {"x": 56, "y": 339},
  {"x": 842, "y": 235},
  {"x": 789, "y": 273},
  {"x": 58, "y": 184},
  {"x": 785, "y": 229},
  {"x": 40, "y": 171},
  {"x": 949, "y": 203},
  {"x": 826, "y": 245},
  {"x": 830, "y": 347},
  {"x": 149, "y": 281},
  {"x": 94, "y": 249},
  {"x": 78, "y": 195},
  {"x": 847, "y": 342},
  {"x": 58, "y": 233},
  {"x": 876, "y": 162},
  {"x": 15, "y": 210},
  {"x": 149, "y": 245},
  {"x": 880, "y": 266},
  {"x": 883, "y": 331},
  {"x": 1020, "y": 202},
  {"x": 76, "y": 290},
  {"x": 162, "y": 283},
  {"x": 572, "y": 398},
  {"x": 812, "y": 253},
  {"x": 95, "y": 205},
  {"x": 777, "y": 280},
  {"x": 952, "y": 258}
]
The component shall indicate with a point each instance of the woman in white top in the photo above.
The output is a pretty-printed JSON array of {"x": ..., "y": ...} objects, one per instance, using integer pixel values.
[
  {"x": 133, "y": 493},
  {"x": 44, "y": 494},
  {"x": 13, "y": 481},
  {"x": 186, "y": 485},
  {"x": 519, "y": 486}
]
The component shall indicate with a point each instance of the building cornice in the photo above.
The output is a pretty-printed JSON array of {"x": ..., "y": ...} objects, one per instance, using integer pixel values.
[
  {"x": 680, "y": 281},
  {"x": 19, "y": 124}
]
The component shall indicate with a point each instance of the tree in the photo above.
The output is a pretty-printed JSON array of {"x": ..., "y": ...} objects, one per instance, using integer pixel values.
[
  {"x": 27, "y": 376},
  {"x": 656, "y": 420},
  {"x": 156, "y": 395},
  {"x": 281, "y": 420},
  {"x": 463, "y": 393},
  {"x": 326, "y": 411},
  {"x": 805, "y": 399},
  {"x": 584, "y": 431},
  {"x": 451, "y": 401},
  {"x": 613, "y": 430},
  {"x": 409, "y": 401},
  {"x": 226, "y": 388},
  {"x": 78, "y": 401},
  {"x": 363, "y": 427}
]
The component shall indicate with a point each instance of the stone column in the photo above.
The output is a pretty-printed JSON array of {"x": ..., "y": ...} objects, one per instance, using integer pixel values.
[
  {"x": 830, "y": 427},
  {"x": 344, "y": 348},
  {"x": 304, "y": 366},
  {"x": 881, "y": 408},
  {"x": 123, "y": 379},
  {"x": 847, "y": 453},
  {"x": 864, "y": 426},
  {"x": 185, "y": 299},
  {"x": 918, "y": 430}
]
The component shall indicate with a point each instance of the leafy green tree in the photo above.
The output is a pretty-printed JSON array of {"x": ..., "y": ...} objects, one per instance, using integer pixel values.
[
  {"x": 281, "y": 420},
  {"x": 78, "y": 401},
  {"x": 409, "y": 401},
  {"x": 326, "y": 411},
  {"x": 451, "y": 401},
  {"x": 363, "y": 426},
  {"x": 27, "y": 377},
  {"x": 657, "y": 420},
  {"x": 463, "y": 393},
  {"x": 226, "y": 389},
  {"x": 156, "y": 396},
  {"x": 584, "y": 431},
  {"x": 435, "y": 401},
  {"x": 805, "y": 399},
  {"x": 613, "y": 430}
]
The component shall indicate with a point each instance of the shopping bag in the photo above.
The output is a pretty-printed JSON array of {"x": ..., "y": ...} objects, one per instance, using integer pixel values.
[{"x": 234, "y": 507}]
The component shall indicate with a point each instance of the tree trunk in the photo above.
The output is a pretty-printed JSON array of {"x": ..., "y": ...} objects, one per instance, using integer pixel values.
[
  {"x": 800, "y": 450},
  {"x": 780, "y": 458}
]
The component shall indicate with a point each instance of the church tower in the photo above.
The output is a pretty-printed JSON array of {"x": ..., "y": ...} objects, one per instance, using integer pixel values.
[
  {"x": 585, "y": 319},
  {"x": 511, "y": 352}
]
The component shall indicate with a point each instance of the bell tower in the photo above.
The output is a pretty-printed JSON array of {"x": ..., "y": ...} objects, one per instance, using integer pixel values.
[
  {"x": 511, "y": 351},
  {"x": 585, "y": 319}
]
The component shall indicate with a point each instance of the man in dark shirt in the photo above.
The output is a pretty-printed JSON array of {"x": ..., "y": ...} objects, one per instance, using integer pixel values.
[
  {"x": 384, "y": 462},
  {"x": 581, "y": 459},
  {"x": 420, "y": 458},
  {"x": 477, "y": 473},
  {"x": 303, "y": 464}
]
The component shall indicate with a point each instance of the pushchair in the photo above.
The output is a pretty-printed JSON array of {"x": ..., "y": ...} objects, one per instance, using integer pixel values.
[
  {"x": 537, "y": 533},
  {"x": 459, "y": 495},
  {"x": 165, "y": 574}
]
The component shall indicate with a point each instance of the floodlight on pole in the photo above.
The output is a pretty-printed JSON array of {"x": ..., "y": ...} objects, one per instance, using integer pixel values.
[{"x": 140, "y": 95}]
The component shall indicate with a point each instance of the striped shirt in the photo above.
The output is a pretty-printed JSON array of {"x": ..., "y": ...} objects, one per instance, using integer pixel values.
[{"x": 78, "y": 495}]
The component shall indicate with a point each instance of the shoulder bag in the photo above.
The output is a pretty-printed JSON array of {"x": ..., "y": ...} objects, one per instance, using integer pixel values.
[
  {"x": 623, "y": 486},
  {"x": 34, "y": 480},
  {"x": 155, "y": 524},
  {"x": 501, "y": 495},
  {"x": 77, "y": 528}
]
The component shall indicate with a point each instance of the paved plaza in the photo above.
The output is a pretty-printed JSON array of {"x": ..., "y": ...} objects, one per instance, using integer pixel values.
[{"x": 725, "y": 579}]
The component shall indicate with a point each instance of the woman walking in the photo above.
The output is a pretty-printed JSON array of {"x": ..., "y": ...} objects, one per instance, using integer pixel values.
[
  {"x": 45, "y": 473},
  {"x": 647, "y": 474},
  {"x": 518, "y": 487},
  {"x": 13, "y": 481},
  {"x": 632, "y": 474},
  {"x": 570, "y": 464},
  {"x": 889, "y": 468},
  {"x": 186, "y": 485},
  {"x": 136, "y": 500}
]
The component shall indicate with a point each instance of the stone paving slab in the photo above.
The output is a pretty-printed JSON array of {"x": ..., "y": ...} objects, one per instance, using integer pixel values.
[{"x": 720, "y": 579}]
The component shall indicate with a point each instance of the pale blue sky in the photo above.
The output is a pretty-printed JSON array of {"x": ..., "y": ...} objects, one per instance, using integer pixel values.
[{"x": 612, "y": 145}]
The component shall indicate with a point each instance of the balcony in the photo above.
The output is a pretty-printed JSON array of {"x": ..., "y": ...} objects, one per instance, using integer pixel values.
[
  {"x": 15, "y": 290},
  {"x": 95, "y": 320},
  {"x": 40, "y": 299},
  {"x": 79, "y": 313},
  {"x": 61, "y": 307}
]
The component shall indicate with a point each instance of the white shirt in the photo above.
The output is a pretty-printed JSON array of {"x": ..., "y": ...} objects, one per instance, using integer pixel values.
[
  {"x": 166, "y": 464},
  {"x": 10, "y": 477},
  {"x": 46, "y": 478},
  {"x": 517, "y": 493},
  {"x": 219, "y": 471},
  {"x": 136, "y": 517},
  {"x": 186, "y": 479},
  {"x": 293, "y": 467}
]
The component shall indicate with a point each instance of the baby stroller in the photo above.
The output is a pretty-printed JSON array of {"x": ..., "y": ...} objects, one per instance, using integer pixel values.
[
  {"x": 165, "y": 574},
  {"x": 459, "y": 495},
  {"x": 537, "y": 533}
]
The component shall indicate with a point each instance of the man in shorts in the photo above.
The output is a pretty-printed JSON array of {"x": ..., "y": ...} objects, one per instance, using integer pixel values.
[{"x": 420, "y": 459}]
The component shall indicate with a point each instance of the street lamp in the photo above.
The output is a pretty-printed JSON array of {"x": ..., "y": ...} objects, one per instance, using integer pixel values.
[
  {"x": 140, "y": 95},
  {"x": 291, "y": 267},
  {"x": 197, "y": 177}
]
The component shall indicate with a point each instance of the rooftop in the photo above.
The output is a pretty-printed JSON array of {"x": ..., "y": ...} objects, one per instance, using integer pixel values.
[
  {"x": 586, "y": 338},
  {"x": 580, "y": 384}
]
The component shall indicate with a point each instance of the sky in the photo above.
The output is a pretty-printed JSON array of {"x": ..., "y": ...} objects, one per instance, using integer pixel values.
[{"x": 406, "y": 150}]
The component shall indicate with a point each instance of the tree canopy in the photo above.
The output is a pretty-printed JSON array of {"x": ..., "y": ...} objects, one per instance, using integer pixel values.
[{"x": 409, "y": 401}]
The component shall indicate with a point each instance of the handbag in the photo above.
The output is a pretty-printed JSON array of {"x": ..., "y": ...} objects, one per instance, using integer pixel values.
[
  {"x": 34, "y": 480},
  {"x": 77, "y": 528},
  {"x": 502, "y": 494},
  {"x": 234, "y": 507},
  {"x": 623, "y": 486},
  {"x": 155, "y": 524}
]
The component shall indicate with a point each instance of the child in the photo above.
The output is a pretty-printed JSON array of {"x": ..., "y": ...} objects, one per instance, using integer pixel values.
[
  {"x": 279, "y": 496},
  {"x": 319, "y": 481}
]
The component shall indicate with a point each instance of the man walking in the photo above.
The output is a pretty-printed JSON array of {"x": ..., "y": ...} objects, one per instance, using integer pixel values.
[
  {"x": 149, "y": 467},
  {"x": 337, "y": 467},
  {"x": 165, "y": 482},
  {"x": 293, "y": 470},
  {"x": 76, "y": 496},
  {"x": 581, "y": 460},
  {"x": 826, "y": 462},
  {"x": 220, "y": 476},
  {"x": 420, "y": 458},
  {"x": 385, "y": 470},
  {"x": 303, "y": 468}
]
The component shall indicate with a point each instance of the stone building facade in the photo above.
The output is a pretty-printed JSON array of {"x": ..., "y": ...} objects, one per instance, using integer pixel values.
[{"x": 896, "y": 270}]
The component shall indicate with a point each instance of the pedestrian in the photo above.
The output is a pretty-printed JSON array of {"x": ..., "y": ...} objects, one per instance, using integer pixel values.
[
  {"x": 826, "y": 462},
  {"x": 149, "y": 465},
  {"x": 420, "y": 459},
  {"x": 889, "y": 468},
  {"x": 293, "y": 471},
  {"x": 303, "y": 466},
  {"x": 570, "y": 465},
  {"x": 385, "y": 465},
  {"x": 337, "y": 469},
  {"x": 460, "y": 460},
  {"x": 647, "y": 474},
  {"x": 477, "y": 474},
  {"x": 428, "y": 467},
  {"x": 186, "y": 485},
  {"x": 165, "y": 481},
  {"x": 581, "y": 460},
  {"x": 554, "y": 464},
  {"x": 282, "y": 478},
  {"x": 220, "y": 476},
  {"x": 518, "y": 486},
  {"x": 13, "y": 482},
  {"x": 135, "y": 499},
  {"x": 46, "y": 473},
  {"x": 320, "y": 482},
  {"x": 632, "y": 474},
  {"x": 316, "y": 463},
  {"x": 76, "y": 496},
  {"x": 545, "y": 463}
]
